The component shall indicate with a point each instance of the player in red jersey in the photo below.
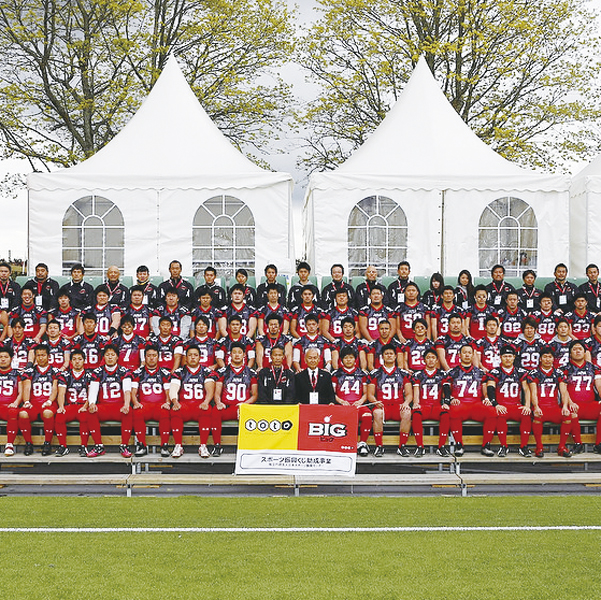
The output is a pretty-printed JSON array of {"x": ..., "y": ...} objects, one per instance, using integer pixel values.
[
  {"x": 312, "y": 339},
  {"x": 149, "y": 402},
  {"x": 305, "y": 308},
  {"x": 468, "y": 401},
  {"x": 206, "y": 309},
  {"x": 34, "y": 317},
  {"x": 236, "y": 384},
  {"x": 374, "y": 350},
  {"x": 130, "y": 345},
  {"x": 593, "y": 344},
  {"x": 21, "y": 346},
  {"x": 431, "y": 401},
  {"x": 66, "y": 316},
  {"x": 390, "y": 389},
  {"x": 508, "y": 391},
  {"x": 511, "y": 318},
  {"x": 331, "y": 320},
  {"x": 171, "y": 347},
  {"x": 274, "y": 338},
  {"x": 350, "y": 387},
  {"x": 207, "y": 346},
  {"x": 546, "y": 318},
  {"x": 440, "y": 315},
  {"x": 39, "y": 399},
  {"x": 582, "y": 387},
  {"x": 238, "y": 307},
  {"x": 222, "y": 354},
  {"x": 528, "y": 345},
  {"x": 548, "y": 405},
  {"x": 178, "y": 314},
  {"x": 60, "y": 348},
  {"x": 372, "y": 314},
  {"x": 409, "y": 311},
  {"x": 561, "y": 343},
  {"x": 72, "y": 400},
  {"x": 413, "y": 351},
  {"x": 477, "y": 315},
  {"x": 11, "y": 395},
  {"x": 488, "y": 348},
  {"x": 141, "y": 312},
  {"x": 349, "y": 338},
  {"x": 109, "y": 399},
  {"x": 449, "y": 346},
  {"x": 191, "y": 391},
  {"x": 91, "y": 342},
  {"x": 580, "y": 319},
  {"x": 107, "y": 315},
  {"x": 273, "y": 307}
]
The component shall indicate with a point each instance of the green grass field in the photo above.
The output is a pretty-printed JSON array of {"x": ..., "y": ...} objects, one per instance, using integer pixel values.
[{"x": 321, "y": 565}]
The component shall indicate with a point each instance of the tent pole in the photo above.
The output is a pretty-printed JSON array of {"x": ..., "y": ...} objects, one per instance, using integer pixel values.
[{"x": 442, "y": 211}]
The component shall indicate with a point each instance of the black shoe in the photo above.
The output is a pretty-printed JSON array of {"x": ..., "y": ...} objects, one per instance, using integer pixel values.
[
  {"x": 61, "y": 451},
  {"x": 420, "y": 452},
  {"x": 141, "y": 450},
  {"x": 539, "y": 453},
  {"x": 379, "y": 451},
  {"x": 459, "y": 451},
  {"x": 28, "y": 449},
  {"x": 525, "y": 452},
  {"x": 564, "y": 452},
  {"x": 165, "y": 451},
  {"x": 83, "y": 451},
  {"x": 577, "y": 448},
  {"x": 362, "y": 449},
  {"x": 597, "y": 448},
  {"x": 217, "y": 450},
  {"x": 443, "y": 451},
  {"x": 486, "y": 450},
  {"x": 503, "y": 451},
  {"x": 46, "y": 449},
  {"x": 403, "y": 451}
]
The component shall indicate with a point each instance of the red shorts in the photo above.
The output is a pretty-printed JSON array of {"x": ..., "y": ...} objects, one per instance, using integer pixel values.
[
  {"x": 430, "y": 412},
  {"x": 588, "y": 410},
  {"x": 473, "y": 411},
  {"x": 514, "y": 412},
  {"x": 551, "y": 413},
  {"x": 392, "y": 412},
  {"x": 36, "y": 409},
  {"x": 229, "y": 413}
]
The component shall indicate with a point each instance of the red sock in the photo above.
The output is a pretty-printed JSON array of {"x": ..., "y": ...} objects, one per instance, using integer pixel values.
[
  {"x": 378, "y": 438},
  {"x": 525, "y": 428},
  {"x": 443, "y": 431},
  {"x": 564, "y": 432},
  {"x": 25, "y": 427},
  {"x": 418, "y": 428},
  {"x": 457, "y": 430},
  {"x": 403, "y": 437},
  {"x": 366, "y": 421},
  {"x": 576, "y": 431},
  {"x": 537, "y": 430}
]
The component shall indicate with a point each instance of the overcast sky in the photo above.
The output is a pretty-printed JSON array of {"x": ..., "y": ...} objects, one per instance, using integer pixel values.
[{"x": 14, "y": 211}]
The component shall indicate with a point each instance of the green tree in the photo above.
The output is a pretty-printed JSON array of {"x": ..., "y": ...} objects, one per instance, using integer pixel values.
[
  {"x": 74, "y": 71},
  {"x": 523, "y": 74}
]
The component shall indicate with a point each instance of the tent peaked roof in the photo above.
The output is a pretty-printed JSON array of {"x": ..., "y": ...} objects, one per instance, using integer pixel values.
[
  {"x": 423, "y": 135},
  {"x": 593, "y": 169},
  {"x": 169, "y": 136}
]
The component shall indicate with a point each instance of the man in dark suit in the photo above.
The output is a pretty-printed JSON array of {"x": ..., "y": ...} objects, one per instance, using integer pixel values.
[{"x": 314, "y": 385}]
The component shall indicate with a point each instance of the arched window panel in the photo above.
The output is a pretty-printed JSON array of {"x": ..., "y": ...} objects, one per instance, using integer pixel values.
[
  {"x": 94, "y": 235},
  {"x": 377, "y": 235},
  {"x": 223, "y": 235},
  {"x": 508, "y": 235}
]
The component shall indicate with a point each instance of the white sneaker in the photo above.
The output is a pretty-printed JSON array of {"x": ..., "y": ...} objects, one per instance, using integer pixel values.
[
  {"x": 9, "y": 450},
  {"x": 178, "y": 451},
  {"x": 204, "y": 451}
]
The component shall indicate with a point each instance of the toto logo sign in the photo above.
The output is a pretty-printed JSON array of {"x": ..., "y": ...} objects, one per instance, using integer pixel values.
[{"x": 264, "y": 425}]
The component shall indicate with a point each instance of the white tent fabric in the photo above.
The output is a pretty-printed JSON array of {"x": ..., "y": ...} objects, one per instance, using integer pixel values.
[
  {"x": 167, "y": 161},
  {"x": 585, "y": 216},
  {"x": 427, "y": 160}
]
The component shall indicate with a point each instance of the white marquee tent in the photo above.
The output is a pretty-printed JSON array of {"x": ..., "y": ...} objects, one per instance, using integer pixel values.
[
  {"x": 138, "y": 200},
  {"x": 424, "y": 159},
  {"x": 585, "y": 216}
]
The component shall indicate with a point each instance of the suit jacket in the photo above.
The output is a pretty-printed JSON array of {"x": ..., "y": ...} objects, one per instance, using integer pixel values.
[{"x": 324, "y": 387}]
